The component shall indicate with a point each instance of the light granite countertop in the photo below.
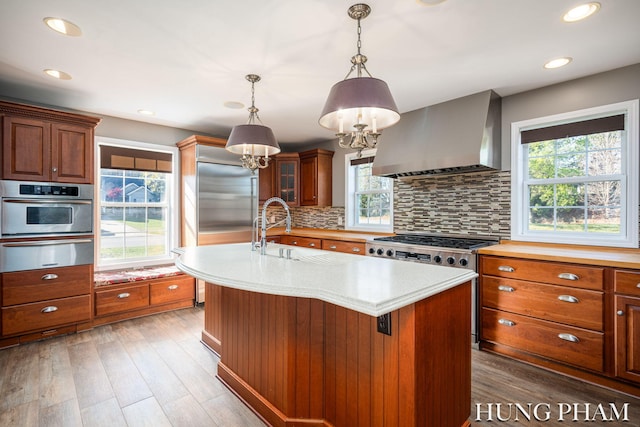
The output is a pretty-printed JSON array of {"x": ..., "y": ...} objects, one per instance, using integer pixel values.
[{"x": 368, "y": 285}]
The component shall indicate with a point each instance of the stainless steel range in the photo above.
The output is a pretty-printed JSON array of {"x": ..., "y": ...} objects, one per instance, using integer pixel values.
[{"x": 438, "y": 249}]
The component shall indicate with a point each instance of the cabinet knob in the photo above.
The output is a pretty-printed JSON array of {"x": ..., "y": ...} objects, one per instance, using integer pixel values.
[
  {"x": 620, "y": 313},
  {"x": 124, "y": 295},
  {"x": 313, "y": 245},
  {"x": 356, "y": 249},
  {"x": 54, "y": 169},
  {"x": 49, "y": 309},
  {"x": 49, "y": 276},
  {"x": 333, "y": 247}
]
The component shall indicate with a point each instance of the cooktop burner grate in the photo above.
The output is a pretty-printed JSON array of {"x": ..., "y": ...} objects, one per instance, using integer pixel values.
[{"x": 437, "y": 241}]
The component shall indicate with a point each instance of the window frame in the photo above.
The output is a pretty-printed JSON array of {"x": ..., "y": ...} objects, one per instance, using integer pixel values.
[
  {"x": 350, "y": 197},
  {"x": 173, "y": 212},
  {"x": 628, "y": 237}
]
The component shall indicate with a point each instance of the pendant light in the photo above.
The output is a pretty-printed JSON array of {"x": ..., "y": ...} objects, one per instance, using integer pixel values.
[
  {"x": 253, "y": 141},
  {"x": 359, "y": 107}
]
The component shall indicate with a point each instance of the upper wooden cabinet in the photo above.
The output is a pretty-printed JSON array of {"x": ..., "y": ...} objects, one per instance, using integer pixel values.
[
  {"x": 40, "y": 144},
  {"x": 300, "y": 179},
  {"x": 315, "y": 177},
  {"x": 287, "y": 176}
]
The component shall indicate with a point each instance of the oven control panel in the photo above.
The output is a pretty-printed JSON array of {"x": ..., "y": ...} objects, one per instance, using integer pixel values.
[
  {"x": 449, "y": 258},
  {"x": 48, "y": 190}
]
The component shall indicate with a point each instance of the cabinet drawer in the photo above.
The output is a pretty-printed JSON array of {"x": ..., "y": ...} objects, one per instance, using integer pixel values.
[
  {"x": 567, "y": 344},
  {"x": 301, "y": 241},
  {"x": 122, "y": 299},
  {"x": 342, "y": 246},
  {"x": 627, "y": 282},
  {"x": 22, "y": 287},
  {"x": 572, "y": 306},
  {"x": 547, "y": 272},
  {"x": 178, "y": 289},
  {"x": 45, "y": 314}
]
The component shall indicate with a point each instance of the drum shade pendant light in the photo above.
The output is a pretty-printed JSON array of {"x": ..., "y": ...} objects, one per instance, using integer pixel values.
[
  {"x": 254, "y": 142},
  {"x": 359, "y": 107}
]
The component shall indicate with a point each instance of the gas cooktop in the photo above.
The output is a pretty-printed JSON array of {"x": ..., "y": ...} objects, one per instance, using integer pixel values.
[{"x": 440, "y": 241}]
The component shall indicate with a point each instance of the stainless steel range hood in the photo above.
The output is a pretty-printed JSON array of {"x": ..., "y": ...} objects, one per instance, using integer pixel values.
[{"x": 458, "y": 136}]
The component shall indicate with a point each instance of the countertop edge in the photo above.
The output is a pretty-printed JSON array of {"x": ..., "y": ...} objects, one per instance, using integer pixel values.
[{"x": 374, "y": 310}]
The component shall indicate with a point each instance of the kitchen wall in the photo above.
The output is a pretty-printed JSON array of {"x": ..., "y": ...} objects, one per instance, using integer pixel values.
[{"x": 479, "y": 203}]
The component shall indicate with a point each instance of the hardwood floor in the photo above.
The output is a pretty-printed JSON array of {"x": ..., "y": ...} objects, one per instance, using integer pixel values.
[{"x": 154, "y": 371}]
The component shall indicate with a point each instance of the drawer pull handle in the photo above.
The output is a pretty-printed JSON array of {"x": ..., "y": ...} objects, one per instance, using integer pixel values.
[
  {"x": 49, "y": 276},
  {"x": 313, "y": 245},
  {"x": 638, "y": 286},
  {"x": 506, "y": 322},
  {"x": 358, "y": 250},
  {"x": 294, "y": 242},
  {"x": 568, "y": 276},
  {"x": 568, "y": 298},
  {"x": 49, "y": 309},
  {"x": 506, "y": 268},
  {"x": 505, "y": 288},
  {"x": 620, "y": 313},
  {"x": 333, "y": 247},
  {"x": 174, "y": 287},
  {"x": 124, "y": 295},
  {"x": 569, "y": 337}
]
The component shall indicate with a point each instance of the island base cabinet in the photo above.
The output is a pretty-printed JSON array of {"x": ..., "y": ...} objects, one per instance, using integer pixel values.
[{"x": 299, "y": 361}]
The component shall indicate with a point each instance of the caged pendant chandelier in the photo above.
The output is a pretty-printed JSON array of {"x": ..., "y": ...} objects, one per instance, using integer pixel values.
[
  {"x": 254, "y": 142},
  {"x": 361, "y": 103}
]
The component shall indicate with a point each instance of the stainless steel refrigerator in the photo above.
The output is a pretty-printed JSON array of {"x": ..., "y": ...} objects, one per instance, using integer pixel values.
[{"x": 226, "y": 201}]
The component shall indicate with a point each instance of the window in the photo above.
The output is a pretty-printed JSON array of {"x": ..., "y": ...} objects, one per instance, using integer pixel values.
[
  {"x": 136, "y": 192},
  {"x": 575, "y": 177},
  {"x": 369, "y": 198}
]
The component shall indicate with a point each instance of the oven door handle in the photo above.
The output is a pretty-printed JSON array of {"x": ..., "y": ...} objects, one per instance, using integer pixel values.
[
  {"x": 49, "y": 201},
  {"x": 45, "y": 243}
]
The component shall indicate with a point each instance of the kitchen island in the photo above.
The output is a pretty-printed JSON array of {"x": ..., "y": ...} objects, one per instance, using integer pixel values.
[{"x": 299, "y": 338}]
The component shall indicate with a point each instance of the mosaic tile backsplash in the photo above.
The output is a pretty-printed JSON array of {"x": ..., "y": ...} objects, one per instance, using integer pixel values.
[{"x": 474, "y": 204}]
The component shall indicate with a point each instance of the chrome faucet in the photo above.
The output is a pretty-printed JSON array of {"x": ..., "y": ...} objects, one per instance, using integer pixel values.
[{"x": 263, "y": 235}]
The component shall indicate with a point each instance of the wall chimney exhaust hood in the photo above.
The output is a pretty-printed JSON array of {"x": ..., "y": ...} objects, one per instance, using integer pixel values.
[{"x": 457, "y": 136}]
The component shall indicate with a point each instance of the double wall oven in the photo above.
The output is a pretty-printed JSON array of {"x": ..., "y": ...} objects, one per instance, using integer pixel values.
[
  {"x": 457, "y": 251},
  {"x": 44, "y": 225}
]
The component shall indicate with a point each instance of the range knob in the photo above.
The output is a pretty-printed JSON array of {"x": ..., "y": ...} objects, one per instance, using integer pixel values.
[
  {"x": 389, "y": 252},
  {"x": 464, "y": 262},
  {"x": 437, "y": 259},
  {"x": 451, "y": 260},
  {"x": 380, "y": 251},
  {"x": 372, "y": 251}
]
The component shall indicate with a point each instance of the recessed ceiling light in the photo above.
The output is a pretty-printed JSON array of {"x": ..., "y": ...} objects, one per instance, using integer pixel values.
[
  {"x": 234, "y": 105},
  {"x": 430, "y": 2},
  {"x": 63, "y": 26},
  {"x": 558, "y": 62},
  {"x": 581, "y": 12},
  {"x": 57, "y": 74},
  {"x": 146, "y": 112}
]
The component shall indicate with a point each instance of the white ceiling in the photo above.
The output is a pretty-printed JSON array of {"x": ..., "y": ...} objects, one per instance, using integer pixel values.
[{"x": 184, "y": 59}]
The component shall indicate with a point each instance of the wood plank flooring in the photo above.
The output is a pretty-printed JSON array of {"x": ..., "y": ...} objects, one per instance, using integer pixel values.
[{"x": 154, "y": 371}]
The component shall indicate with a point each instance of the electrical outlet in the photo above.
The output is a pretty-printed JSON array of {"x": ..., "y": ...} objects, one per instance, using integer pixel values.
[
  {"x": 339, "y": 220},
  {"x": 384, "y": 324},
  {"x": 272, "y": 219}
]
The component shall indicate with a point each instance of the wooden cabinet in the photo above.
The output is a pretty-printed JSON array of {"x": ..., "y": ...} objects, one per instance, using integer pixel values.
[
  {"x": 627, "y": 324},
  {"x": 39, "y": 144},
  {"x": 315, "y": 177},
  {"x": 343, "y": 246},
  {"x": 307, "y": 242},
  {"x": 287, "y": 177},
  {"x": 45, "y": 302},
  {"x": 548, "y": 309},
  {"x": 267, "y": 182},
  {"x": 131, "y": 299}
]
